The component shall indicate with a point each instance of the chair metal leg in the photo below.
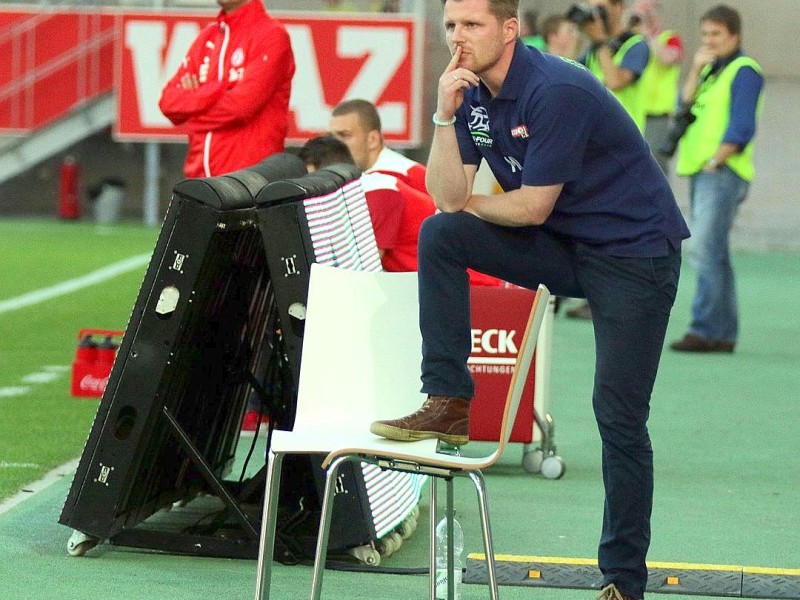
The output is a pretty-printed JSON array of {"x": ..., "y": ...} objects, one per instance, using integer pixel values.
[
  {"x": 488, "y": 544},
  {"x": 449, "y": 515},
  {"x": 432, "y": 526},
  {"x": 269, "y": 518},
  {"x": 321, "y": 554}
]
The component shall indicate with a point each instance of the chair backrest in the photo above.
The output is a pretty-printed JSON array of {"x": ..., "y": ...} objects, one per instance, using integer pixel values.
[
  {"x": 361, "y": 349},
  {"x": 523, "y": 364}
]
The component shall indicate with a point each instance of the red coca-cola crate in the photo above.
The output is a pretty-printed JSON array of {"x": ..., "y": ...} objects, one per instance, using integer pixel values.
[{"x": 94, "y": 358}]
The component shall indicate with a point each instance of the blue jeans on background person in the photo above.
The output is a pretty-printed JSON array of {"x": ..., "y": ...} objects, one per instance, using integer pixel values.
[
  {"x": 630, "y": 298},
  {"x": 714, "y": 202}
]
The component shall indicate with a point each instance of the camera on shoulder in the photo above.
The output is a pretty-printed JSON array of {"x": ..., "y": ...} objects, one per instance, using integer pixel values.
[
  {"x": 583, "y": 13},
  {"x": 678, "y": 124}
]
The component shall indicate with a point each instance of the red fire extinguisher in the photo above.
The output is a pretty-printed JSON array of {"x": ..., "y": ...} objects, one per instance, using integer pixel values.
[{"x": 68, "y": 202}]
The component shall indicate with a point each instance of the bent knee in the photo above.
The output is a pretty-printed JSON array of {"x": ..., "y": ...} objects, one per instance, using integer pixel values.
[{"x": 439, "y": 228}]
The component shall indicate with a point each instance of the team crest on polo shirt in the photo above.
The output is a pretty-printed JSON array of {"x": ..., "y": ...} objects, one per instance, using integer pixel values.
[
  {"x": 237, "y": 59},
  {"x": 479, "y": 127},
  {"x": 520, "y": 131}
]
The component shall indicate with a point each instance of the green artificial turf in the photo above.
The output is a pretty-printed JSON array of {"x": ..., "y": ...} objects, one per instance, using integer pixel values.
[
  {"x": 723, "y": 432},
  {"x": 46, "y": 426}
]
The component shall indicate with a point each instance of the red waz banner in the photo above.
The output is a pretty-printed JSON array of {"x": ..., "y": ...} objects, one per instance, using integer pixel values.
[{"x": 378, "y": 59}]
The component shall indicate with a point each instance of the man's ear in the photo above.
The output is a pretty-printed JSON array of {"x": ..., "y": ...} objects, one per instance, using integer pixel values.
[
  {"x": 511, "y": 29},
  {"x": 374, "y": 139}
]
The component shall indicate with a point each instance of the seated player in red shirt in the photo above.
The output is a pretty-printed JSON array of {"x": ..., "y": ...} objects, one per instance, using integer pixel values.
[
  {"x": 396, "y": 209},
  {"x": 356, "y": 123}
]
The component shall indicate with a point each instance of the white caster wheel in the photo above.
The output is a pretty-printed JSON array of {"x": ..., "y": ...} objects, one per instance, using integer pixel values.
[
  {"x": 397, "y": 539},
  {"x": 407, "y": 527},
  {"x": 553, "y": 467},
  {"x": 385, "y": 546},
  {"x": 389, "y": 544},
  {"x": 367, "y": 555},
  {"x": 80, "y": 543},
  {"x": 532, "y": 461}
]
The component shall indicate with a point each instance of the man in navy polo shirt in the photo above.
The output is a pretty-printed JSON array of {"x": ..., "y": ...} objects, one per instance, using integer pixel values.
[{"x": 585, "y": 210}]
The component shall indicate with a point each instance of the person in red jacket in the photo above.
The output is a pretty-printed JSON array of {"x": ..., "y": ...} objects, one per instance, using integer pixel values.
[{"x": 231, "y": 92}]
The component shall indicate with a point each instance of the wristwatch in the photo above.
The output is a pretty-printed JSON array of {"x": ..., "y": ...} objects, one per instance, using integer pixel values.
[{"x": 713, "y": 163}]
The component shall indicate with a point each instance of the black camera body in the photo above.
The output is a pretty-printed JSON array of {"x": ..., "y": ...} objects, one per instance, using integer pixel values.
[
  {"x": 679, "y": 122},
  {"x": 583, "y": 13}
]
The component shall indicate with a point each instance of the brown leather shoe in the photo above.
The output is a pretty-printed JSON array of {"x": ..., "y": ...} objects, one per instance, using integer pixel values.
[
  {"x": 694, "y": 343},
  {"x": 611, "y": 592},
  {"x": 441, "y": 417}
]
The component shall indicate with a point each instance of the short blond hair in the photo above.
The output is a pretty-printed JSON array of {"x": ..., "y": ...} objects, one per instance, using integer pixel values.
[
  {"x": 502, "y": 9},
  {"x": 368, "y": 116}
]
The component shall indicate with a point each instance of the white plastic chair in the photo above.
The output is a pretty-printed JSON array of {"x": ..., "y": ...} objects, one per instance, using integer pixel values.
[{"x": 360, "y": 362}]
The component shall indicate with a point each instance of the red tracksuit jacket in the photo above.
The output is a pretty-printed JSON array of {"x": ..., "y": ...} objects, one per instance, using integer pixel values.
[{"x": 238, "y": 115}]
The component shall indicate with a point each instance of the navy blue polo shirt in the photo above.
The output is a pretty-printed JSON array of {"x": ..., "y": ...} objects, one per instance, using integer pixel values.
[{"x": 554, "y": 122}]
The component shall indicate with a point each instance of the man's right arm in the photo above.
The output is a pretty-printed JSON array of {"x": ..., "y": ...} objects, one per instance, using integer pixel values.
[
  {"x": 267, "y": 72},
  {"x": 179, "y": 103},
  {"x": 449, "y": 181},
  {"x": 702, "y": 57}
]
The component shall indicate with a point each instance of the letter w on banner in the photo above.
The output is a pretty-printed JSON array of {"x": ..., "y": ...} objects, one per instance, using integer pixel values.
[{"x": 378, "y": 59}]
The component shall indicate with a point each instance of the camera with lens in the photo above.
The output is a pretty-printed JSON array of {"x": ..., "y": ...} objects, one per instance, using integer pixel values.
[
  {"x": 583, "y": 13},
  {"x": 679, "y": 122}
]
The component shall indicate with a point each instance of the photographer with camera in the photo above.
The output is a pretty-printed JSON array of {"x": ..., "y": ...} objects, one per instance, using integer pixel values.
[
  {"x": 617, "y": 55},
  {"x": 725, "y": 89}
]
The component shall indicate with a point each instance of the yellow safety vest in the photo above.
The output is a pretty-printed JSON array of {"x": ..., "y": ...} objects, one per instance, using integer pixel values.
[
  {"x": 631, "y": 96},
  {"x": 660, "y": 83},
  {"x": 712, "y": 108}
]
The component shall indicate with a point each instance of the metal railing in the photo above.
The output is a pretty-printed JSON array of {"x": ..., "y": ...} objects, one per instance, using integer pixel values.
[{"x": 26, "y": 99}]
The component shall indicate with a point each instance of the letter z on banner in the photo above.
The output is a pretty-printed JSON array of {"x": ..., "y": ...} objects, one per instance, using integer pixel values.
[{"x": 378, "y": 59}]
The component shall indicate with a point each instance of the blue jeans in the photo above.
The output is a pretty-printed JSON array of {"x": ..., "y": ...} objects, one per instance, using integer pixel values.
[
  {"x": 714, "y": 202},
  {"x": 630, "y": 298}
]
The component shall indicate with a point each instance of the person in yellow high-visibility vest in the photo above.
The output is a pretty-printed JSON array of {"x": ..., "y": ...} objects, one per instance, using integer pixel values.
[
  {"x": 725, "y": 91},
  {"x": 660, "y": 79},
  {"x": 617, "y": 56}
]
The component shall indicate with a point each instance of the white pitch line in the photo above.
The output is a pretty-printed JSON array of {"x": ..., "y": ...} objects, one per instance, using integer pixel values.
[
  {"x": 37, "y": 486},
  {"x": 12, "y": 391},
  {"x": 72, "y": 285}
]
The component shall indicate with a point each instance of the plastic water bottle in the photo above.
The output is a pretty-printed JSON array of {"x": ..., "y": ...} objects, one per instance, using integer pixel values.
[{"x": 441, "y": 559}]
